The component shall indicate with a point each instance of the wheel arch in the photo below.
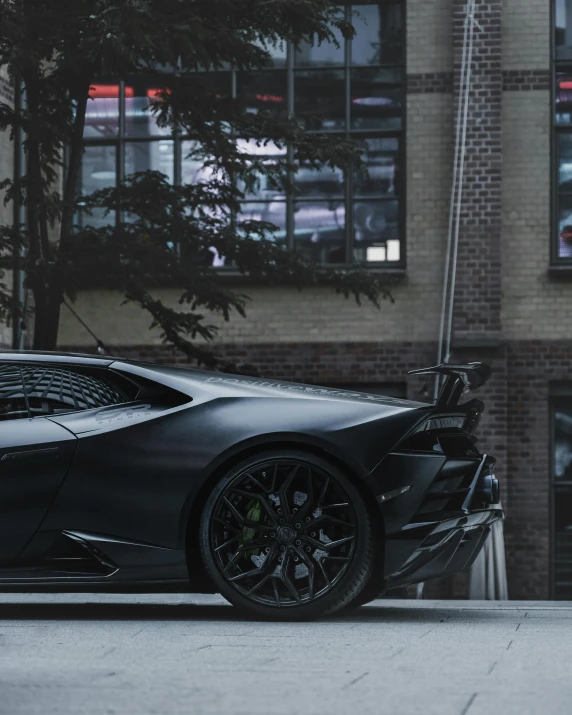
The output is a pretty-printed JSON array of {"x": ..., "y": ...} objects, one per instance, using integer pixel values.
[{"x": 198, "y": 577}]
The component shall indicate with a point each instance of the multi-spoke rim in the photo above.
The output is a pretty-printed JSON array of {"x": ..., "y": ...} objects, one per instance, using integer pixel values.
[{"x": 283, "y": 532}]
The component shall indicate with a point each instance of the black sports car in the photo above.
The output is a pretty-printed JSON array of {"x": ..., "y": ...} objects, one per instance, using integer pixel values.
[{"x": 292, "y": 501}]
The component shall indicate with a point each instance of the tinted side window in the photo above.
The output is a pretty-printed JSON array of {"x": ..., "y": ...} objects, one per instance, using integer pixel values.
[
  {"x": 53, "y": 390},
  {"x": 12, "y": 399}
]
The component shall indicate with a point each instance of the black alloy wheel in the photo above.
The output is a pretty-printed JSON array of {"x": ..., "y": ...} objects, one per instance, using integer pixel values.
[{"x": 287, "y": 535}]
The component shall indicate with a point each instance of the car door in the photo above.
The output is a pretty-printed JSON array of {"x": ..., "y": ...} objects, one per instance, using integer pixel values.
[{"x": 35, "y": 455}]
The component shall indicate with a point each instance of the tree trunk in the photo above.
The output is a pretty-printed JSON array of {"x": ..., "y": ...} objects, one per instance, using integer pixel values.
[
  {"x": 38, "y": 250},
  {"x": 54, "y": 294}
]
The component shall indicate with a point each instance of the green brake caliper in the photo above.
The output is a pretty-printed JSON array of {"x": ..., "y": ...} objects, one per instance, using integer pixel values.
[{"x": 254, "y": 513}]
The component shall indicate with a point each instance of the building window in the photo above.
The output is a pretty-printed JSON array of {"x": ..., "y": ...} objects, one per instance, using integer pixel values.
[
  {"x": 355, "y": 89},
  {"x": 562, "y": 499},
  {"x": 562, "y": 249}
]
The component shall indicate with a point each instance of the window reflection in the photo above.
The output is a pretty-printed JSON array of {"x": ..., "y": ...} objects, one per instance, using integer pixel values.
[
  {"x": 272, "y": 211},
  {"x": 139, "y": 119},
  {"x": 324, "y": 55},
  {"x": 563, "y": 542},
  {"x": 98, "y": 171},
  {"x": 102, "y": 111},
  {"x": 376, "y": 234},
  {"x": 565, "y": 227},
  {"x": 562, "y": 471},
  {"x": 319, "y": 230},
  {"x": 323, "y": 183},
  {"x": 378, "y": 39},
  {"x": 320, "y": 99},
  {"x": 262, "y": 186},
  {"x": 563, "y": 98},
  {"x": 195, "y": 166},
  {"x": 563, "y": 34},
  {"x": 150, "y": 156},
  {"x": 263, "y": 91},
  {"x": 353, "y": 89},
  {"x": 379, "y": 175},
  {"x": 563, "y": 444},
  {"x": 564, "y": 145},
  {"x": 278, "y": 52},
  {"x": 375, "y": 100}
]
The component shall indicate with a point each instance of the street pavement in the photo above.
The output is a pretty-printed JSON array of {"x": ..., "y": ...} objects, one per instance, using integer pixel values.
[{"x": 162, "y": 654}]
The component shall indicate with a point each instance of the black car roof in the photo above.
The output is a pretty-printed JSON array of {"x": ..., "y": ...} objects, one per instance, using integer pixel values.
[{"x": 46, "y": 356}]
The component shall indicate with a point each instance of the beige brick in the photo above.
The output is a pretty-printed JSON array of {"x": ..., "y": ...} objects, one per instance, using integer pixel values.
[
  {"x": 526, "y": 34},
  {"x": 534, "y": 306},
  {"x": 429, "y": 36}
]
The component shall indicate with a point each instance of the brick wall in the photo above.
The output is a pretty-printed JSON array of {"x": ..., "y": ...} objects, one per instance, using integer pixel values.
[
  {"x": 429, "y": 36},
  {"x": 478, "y": 289},
  {"x": 526, "y": 34}
]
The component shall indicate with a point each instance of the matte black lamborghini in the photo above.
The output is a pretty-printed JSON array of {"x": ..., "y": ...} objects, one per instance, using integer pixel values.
[{"x": 292, "y": 501}]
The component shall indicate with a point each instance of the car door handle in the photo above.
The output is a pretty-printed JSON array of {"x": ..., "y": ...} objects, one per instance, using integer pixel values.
[{"x": 32, "y": 455}]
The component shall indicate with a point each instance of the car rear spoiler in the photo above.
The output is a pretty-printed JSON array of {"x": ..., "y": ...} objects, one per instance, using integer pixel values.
[{"x": 460, "y": 378}]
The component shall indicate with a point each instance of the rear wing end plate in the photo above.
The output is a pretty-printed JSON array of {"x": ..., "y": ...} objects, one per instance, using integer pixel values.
[{"x": 459, "y": 379}]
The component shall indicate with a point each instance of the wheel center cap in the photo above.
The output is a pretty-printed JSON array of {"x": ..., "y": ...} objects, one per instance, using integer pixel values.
[{"x": 285, "y": 534}]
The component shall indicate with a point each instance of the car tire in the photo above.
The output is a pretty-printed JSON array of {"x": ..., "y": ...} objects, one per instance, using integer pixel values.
[
  {"x": 371, "y": 592},
  {"x": 270, "y": 548}
]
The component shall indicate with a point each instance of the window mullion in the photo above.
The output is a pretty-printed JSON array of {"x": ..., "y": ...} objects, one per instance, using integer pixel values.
[
  {"x": 348, "y": 173},
  {"x": 120, "y": 154},
  {"x": 290, "y": 88}
]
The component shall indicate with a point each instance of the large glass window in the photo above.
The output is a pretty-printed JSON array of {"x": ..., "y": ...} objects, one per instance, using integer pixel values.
[
  {"x": 562, "y": 246},
  {"x": 351, "y": 88},
  {"x": 562, "y": 499}
]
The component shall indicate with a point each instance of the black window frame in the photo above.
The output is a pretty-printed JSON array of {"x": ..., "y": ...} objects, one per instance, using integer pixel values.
[
  {"x": 560, "y": 398},
  {"x": 557, "y": 66},
  {"x": 350, "y": 197}
]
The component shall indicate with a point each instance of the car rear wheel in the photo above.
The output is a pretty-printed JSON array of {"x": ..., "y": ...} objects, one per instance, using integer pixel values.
[{"x": 286, "y": 535}]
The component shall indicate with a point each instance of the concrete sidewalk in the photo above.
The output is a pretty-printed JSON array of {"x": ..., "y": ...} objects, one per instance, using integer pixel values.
[{"x": 95, "y": 654}]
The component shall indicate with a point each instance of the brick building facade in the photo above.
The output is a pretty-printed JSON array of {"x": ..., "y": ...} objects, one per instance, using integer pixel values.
[{"x": 513, "y": 286}]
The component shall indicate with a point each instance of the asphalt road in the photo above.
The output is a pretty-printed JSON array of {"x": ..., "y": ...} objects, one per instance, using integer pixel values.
[{"x": 119, "y": 655}]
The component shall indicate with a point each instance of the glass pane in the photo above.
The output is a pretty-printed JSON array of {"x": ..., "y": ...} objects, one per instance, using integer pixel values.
[
  {"x": 376, "y": 231},
  {"x": 563, "y": 33},
  {"x": 193, "y": 169},
  {"x": 564, "y": 147},
  {"x": 563, "y": 98},
  {"x": 379, "y": 34},
  {"x": 376, "y": 99},
  {"x": 319, "y": 230},
  {"x": 268, "y": 154},
  {"x": 272, "y": 211},
  {"x": 155, "y": 156},
  {"x": 379, "y": 176},
  {"x": 563, "y": 542},
  {"x": 139, "y": 120},
  {"x": 322, "y": 183},
  {"x": 102, "y": 112},
  {"x": 320, "y": 99},
  {"x": 563, "y": 444},
  {"x": 98, "y": 171},
  {"x": 278, "y": 53},
  {"x": 324, "y": 55},
  {"x": 263, "y": 90},
  {"x": 565, "y": 227}
]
